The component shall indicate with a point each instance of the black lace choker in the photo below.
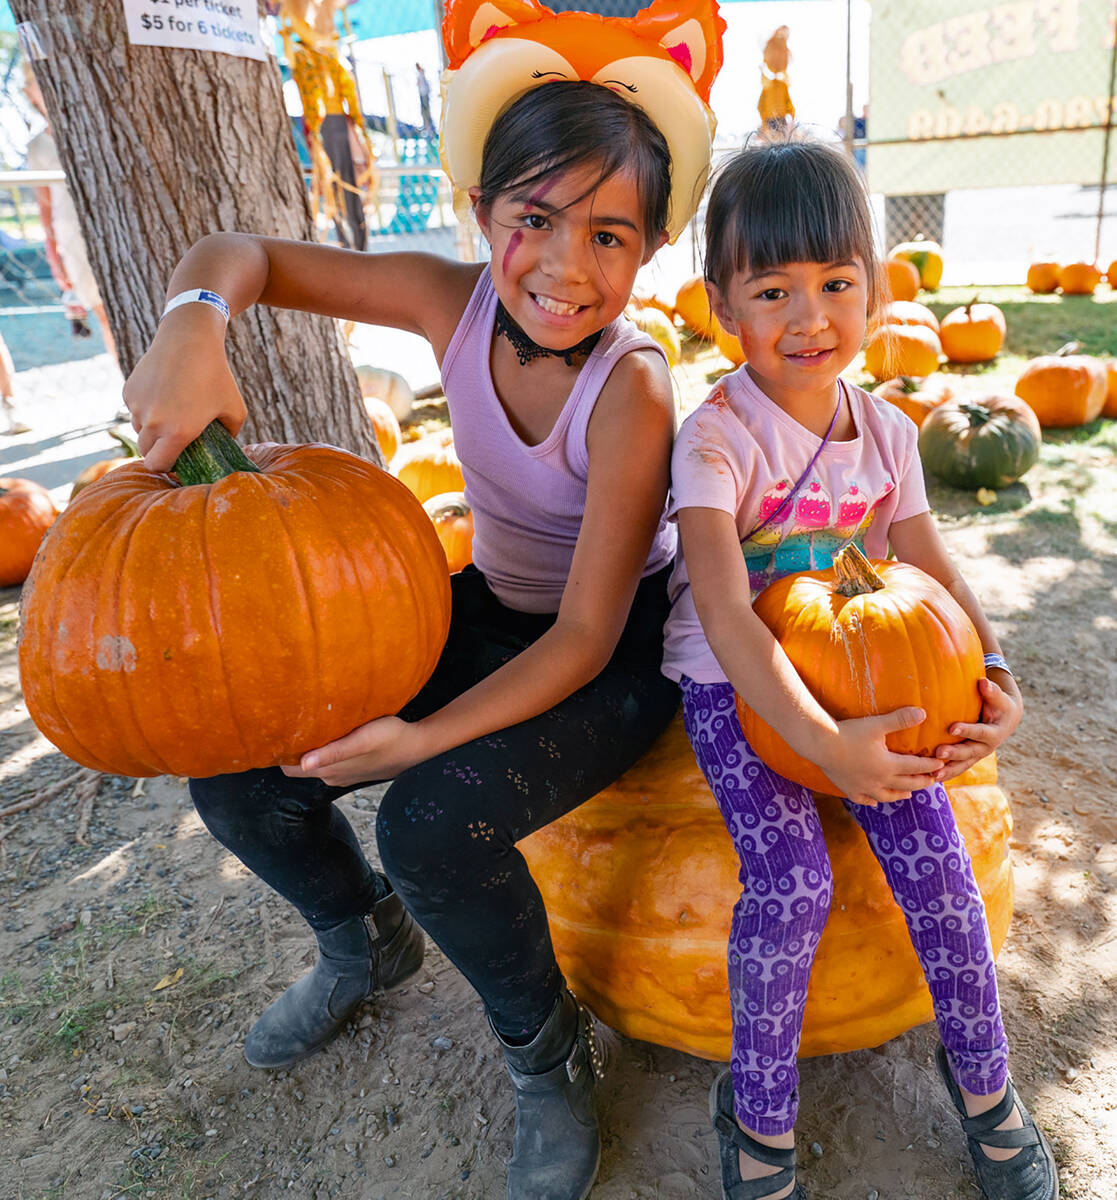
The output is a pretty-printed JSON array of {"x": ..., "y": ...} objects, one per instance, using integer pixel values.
[{"x": 527, "y": 349}]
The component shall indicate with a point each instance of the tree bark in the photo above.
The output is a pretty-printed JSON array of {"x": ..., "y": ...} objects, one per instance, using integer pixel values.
[{"x": 161, "y": 146}]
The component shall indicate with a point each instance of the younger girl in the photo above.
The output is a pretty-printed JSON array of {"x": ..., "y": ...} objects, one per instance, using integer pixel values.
[
  {"x": 782, "y": 465},
  {"x": 549, "y": 686}
]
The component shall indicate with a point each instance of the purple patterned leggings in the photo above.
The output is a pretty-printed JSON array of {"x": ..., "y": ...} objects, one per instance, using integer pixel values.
[{"x": 787, "y": 886}]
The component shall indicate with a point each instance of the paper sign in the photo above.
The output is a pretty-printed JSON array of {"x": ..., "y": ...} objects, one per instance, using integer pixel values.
[{"x": 229, "y": 26}]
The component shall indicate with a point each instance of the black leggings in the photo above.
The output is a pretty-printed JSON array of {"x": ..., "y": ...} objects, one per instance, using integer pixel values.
[{"x": 447, "y": 828}]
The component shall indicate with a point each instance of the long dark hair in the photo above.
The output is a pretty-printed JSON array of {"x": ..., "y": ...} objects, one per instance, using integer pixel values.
[
  {"x": 567, "y": 124},
  {"x": 798, "y": 200}
]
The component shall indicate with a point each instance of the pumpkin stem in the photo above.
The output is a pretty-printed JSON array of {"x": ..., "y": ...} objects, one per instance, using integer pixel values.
[
  {"x": 909, "y": 384},
  {"x": 1067, "y": 348},
  {"x": 856, "y": 576},
  {"x": 212, "y": 456},
  {"x": 977, "y": 413},
  {"x": 130, "y": 447}
]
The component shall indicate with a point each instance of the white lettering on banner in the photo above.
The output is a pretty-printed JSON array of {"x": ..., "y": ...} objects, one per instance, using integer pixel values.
[
  {"x": 989, "y": 35},
  {"x": 227, "y": 26}
]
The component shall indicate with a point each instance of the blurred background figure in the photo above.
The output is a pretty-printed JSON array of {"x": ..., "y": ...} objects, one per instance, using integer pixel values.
[
  {"x": 424, "y": 87},
  {"x": 775, "y": 107},
  {"x": 65, "y": 249},
  {"x": 9, "y": 417}
]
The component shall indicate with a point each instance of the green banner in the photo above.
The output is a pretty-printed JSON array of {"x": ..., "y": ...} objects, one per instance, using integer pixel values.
[{"x": 966, "y": 94}]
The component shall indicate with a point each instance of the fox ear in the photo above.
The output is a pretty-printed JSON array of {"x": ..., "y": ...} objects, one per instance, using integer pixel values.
[
  {"x": 469, "y": 22},
  {"x": 690, "y": 31}
]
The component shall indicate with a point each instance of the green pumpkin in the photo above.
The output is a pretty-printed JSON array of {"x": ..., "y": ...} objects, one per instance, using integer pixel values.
[{"x": 980, "y": 441}]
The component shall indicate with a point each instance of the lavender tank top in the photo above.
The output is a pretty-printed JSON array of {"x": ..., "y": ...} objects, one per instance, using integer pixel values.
[{"x": 528, "y": 501}]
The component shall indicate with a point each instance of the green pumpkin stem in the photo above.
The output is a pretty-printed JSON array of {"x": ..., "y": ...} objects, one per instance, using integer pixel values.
[
  {"x": 212, "y": 456},
  {"x": 131, "y": 450},
  {"x": 856, "y": 576},
  {"x": 978, "y": 414}
]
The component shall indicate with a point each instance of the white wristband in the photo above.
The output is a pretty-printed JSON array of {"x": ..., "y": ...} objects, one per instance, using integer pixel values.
[{"x": 200, "y": 296}]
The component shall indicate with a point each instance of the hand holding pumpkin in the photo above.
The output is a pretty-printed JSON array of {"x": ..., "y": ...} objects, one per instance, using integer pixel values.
[
  {"x": 180, "y": 385},
  {"x": 864, "y": 769},
  {"x": 379, "y": 749},
  {"x": 1001, "y": 710}
]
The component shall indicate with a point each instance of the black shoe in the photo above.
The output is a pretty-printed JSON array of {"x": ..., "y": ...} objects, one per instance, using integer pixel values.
[
  {"x": 1029, "y": 1175},
  {"x": 557, "y": 1146},
  {"x": 732, "y": 1138},
  {"x": 356, "y": 959}
]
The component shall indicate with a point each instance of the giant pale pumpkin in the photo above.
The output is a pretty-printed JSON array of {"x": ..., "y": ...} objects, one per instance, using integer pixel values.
[
  {"x": 237, "y": 616},
  {"x": 866, "y": 639},
  {"x": 26, "y": 513},
  {"x": 640, "y": 884}
]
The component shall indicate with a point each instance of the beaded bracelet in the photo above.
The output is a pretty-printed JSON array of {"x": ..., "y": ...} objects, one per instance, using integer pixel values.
[
  {"x": 200, "y": 296},
  {"x": 998, "y": 661}
]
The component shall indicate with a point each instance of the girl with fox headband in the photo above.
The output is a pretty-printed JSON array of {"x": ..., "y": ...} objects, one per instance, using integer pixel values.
[{"x": 581, "y": 144}]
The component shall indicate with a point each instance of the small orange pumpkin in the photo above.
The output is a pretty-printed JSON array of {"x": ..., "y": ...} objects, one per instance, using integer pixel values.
[
  {"x": 384, "y": 425},
  {"x": 901, "y": 278},
  {"x": 1079, "y": 279},
  {"x": 902, "y": 350},
  {"x": 911, "y": 312},
  {"x": 1043, "y": 277},
  {"x": 640, "y": 883},
  {"x": 453, "y": 522},
  {"x": 1111, "y": 274},
  {"x": 926, "y": 256},
  {"x": 916, "y": 397},
  {"x": 1109, "y": 409},
  {"x": 692, "y": 305},
  {"x": 1064, "y": 389},
  {"x": 429, "y": 465},
  {"x": 26, "y": 513},
  {"x": 870, "y": 638},
  {"x": 252, "y": 606},
  {"x": 973, "y": 333}
]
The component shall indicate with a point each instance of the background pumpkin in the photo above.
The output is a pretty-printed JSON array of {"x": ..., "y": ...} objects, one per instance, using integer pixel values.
[
  {"x": 914, "y": 396},
  {"x": 1109, "y": 409},
  {"x": 869, "y": 638},
  {"x": 388, "y": 386},
  {"x": 692, "y": 304},
  {"x": 26, "y": 513},
  {"x": 1043, "y": 277},
  {"x": 1079, "y": 279},
  {"x": 902, "y": 350},
  {"x": 429, "y": 465},
  {"x": 911, "y": 312},
  {"x": 453, "y": 522},
  {"x": 980, "y": 441},
  {"x": 99, "y": 470},
  {"x": 657, "y": 324},
  {"x": 236, "y": 620},
  {"x": 1063, "y": 389},
  {"x": 384, "y": 425},
  {"x": 901, "y": 278},
  {"x": 640, "y": 884},
  {"x": 1111, "y": 274},
  {"x": 973, "y": 333},
  {"x": 925, "y": 256}
]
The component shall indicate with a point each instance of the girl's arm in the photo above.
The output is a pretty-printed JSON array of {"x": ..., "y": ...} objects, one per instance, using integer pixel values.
[
  {"x": 629, "y": 440},
  {"x": 853, "y": 753},
  {"x": 183, "y": 381},
  {"x": 916, "y": 540}
]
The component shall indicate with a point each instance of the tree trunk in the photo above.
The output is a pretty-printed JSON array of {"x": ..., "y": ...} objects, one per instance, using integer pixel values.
[{"x": 161, "y": 146}]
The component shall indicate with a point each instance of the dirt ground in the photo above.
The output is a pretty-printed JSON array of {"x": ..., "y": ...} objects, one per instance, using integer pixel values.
[{"x": 136, "y": 953}]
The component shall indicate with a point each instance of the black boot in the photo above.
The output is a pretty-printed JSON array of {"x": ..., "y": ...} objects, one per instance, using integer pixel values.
[
  {"x": 356, "y": 959},
  {"x": 557, "y": 1145}
]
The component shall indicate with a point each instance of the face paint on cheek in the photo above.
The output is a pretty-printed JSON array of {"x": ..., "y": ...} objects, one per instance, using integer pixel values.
[{"x": 513, "y": 245}]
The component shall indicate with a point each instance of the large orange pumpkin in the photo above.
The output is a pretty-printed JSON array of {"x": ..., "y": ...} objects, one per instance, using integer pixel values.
[
  {"x": 916, "y": 397},
  {"x": 429, "y": 465},
  {"x": 973, "y": 333},
  {"x": 901, "y": 278},
  {"x": 1043, "y": 277},
  {"x": 26, "y": 513},
  {"x": 902, "y": 350},
  {"x": 1079, "y": 279},
  {"x": 640, "y": 884},
  {"x": 870, "y": 638},
  {"x": 692, "y": 305},
  {"x": 1063, "y": 389},
  {"x": 453, "y": 522},
  {"x": 257, "y": 609}
]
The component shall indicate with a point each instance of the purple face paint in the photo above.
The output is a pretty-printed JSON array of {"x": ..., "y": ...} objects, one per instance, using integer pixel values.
[{"x": 513, "y": 245}]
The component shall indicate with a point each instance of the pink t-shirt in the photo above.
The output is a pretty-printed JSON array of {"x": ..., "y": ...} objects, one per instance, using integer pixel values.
[
  {"x": 740, "y": 452},
  {"x": 528, "y": 501}
]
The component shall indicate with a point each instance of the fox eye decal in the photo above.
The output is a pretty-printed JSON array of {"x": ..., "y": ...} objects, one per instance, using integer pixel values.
[{"x": 628, "y": 87}]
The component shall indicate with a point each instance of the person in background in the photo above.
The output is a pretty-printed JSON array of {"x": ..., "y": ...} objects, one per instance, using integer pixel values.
[{"x": 8, "y": 412}]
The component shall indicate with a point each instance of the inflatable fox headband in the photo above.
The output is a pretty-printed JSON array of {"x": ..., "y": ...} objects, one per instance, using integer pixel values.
[{"x": 664, "y": 59}]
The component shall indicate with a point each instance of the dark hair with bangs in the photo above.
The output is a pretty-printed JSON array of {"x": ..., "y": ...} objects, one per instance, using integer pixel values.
[
  {"x": 790, "y": 201},
  {"x": 567, "y": 124}
]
